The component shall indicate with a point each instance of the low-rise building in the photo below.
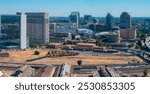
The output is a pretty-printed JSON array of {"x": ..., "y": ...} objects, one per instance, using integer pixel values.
[
  {"x": 25, "y": 71},
  {"x": 1, "y": 74},
  {"x": 99, "y": 49},
  {"x": 128, "y": 34},
  {"x": 91, "y": 27},
  {"x": 109, "y": 37},
  {"x": 100, "y": 27},
  {"x": 85, "y": 34},
  {"x": 55, "y": 45},
  {"x": 120, "y": 45},
  {"x": 60, "y": 36},
  {"x": 68, "y": 47},
  {"x": 85, "y": 46},
  {"x": 4, "y": 54}
]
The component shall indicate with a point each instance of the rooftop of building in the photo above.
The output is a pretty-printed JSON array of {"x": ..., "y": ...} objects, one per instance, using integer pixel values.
[
  {"x": 106, "y": 33},
  {"x": 86, "y": 44},
  {"x": 83, "y": 70}
]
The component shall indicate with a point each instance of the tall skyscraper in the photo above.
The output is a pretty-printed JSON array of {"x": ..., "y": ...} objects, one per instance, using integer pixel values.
[
  {"x": 74, "y": 18},
  {"x": 0, "y": 26},
  {"x": 125, "y": 20},
  {"x": 38, "y": 28},
  {"x": 23, "y": 35},
  {"x": 147, "y": 25},
  {"x": 13, "y": 31},
  {"x": 109, "y": 22},
  {"x": 88, "y": 19}
]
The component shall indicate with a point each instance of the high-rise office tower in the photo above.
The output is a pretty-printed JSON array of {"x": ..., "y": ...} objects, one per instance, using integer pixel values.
[
  {"x": 125, "y": 20},
  {"x": 74, "y": 19},
  {"x": 147, "y": 25},
  {"x": 38, "y": 28},
  {"x": 0, "y": 26},
  {"x": 13, "y": 31},
  {"x": 23, "y": 35},
  {"x": 88, "y": 19},
  {"x": 55, "y": 27},
  {"x": 109, "y": 22}
]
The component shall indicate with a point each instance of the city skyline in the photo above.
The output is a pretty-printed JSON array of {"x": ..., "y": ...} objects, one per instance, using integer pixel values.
[{"x": 98, "y": 8}]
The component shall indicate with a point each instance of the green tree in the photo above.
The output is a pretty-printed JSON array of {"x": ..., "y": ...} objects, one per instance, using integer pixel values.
[
  {"x": 131, "y": 45},
  {"x": 99, "y": 42},
  {"x": 36, "y": 52},
  {"x": 144, "y": 48},
  {"x": 145, "y": 72},
  {"x": 79, "y": 62},
  {"x": 138, "y": 45}
]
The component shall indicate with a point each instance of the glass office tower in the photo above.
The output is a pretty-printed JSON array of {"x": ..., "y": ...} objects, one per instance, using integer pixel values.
[{"x": 13, "y": 31}]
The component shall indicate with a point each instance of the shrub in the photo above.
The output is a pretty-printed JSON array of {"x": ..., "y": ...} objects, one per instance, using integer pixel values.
[
  {"x": 36, "y": 52},
  {"x": 79, "y": 62}
]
